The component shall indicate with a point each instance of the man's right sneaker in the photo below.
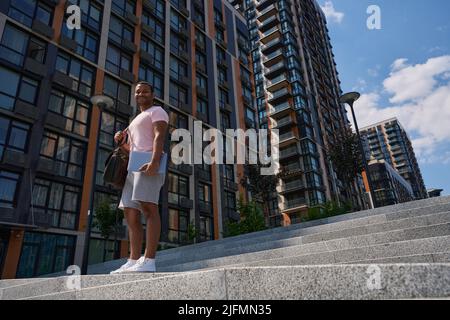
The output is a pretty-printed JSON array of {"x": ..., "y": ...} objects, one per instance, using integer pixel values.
[{"x": 124, "y": 267}]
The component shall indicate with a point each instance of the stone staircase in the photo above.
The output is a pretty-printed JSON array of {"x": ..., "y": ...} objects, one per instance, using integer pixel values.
[{"x": 395, "y": 252}]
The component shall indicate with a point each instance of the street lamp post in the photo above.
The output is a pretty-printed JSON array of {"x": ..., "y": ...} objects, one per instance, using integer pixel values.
[
  {"x": 350, "y": 99},
  {"x": 101, "y": 102}
]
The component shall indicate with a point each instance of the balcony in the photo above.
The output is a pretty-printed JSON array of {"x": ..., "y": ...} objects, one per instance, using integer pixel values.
[
  {"x": 268, "y": 23},
  {"x": 282, "y": 122},
  {"x": 294, "y": 204},
  {"x": 275, "y": 70},
  {"x": 267, "y": 12},
  {"x": 278, "y": 83},
  {"x": 270, "y": 35},
  {"x": 291, "y": 170},
  {"x": 271, "y": 46},
  {"x": 281, "y": 110},
  {"x": 291, "y": 186},
  {"x": 287, "y": 138},
  {"x": 289, "y": 152},
  {"x": 279, "y": 96},
  {"x": 273, "y": 58}
]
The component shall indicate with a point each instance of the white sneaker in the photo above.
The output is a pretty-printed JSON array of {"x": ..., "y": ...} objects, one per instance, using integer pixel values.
[
  {"x": 143, "y": 265},
  {"x": 124, "y": 267}
]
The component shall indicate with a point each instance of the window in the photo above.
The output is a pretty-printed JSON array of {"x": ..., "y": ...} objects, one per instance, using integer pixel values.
[
  {"x": 206, "y": 228},
  {"x": 76, "y": 112},
  {"x": 81, "y": 74},
  {"x": 25, "y": 11},
  {"x": 68, "y": 154},
  {"x": 222, "y": 75},
  {"x": 204, "y": 193},
  {"x": 177, "y": 45},
  {"x": 87, "y": 42},
  {"x": 119, "y": 31},
  {"x": 16, "y": 46},
  {"x": 220, "y": 36},
  {"x": 230, "y": 201},
  {"x": 178, "y": 226},
  {"x": 102, "y": 250},
  {"x": 13, "y": 135},
  {"x": 200, "y": 58},
  {"x": 250, "y": 114},
  {"x": 228, "y": 172},
  {"x": 220, "y": 55},
  {"x": 146, "y": 73},
  {"x": 123, "y": 6},
  {"x": 217, "y": 16},
  {"x": 58, "y": 200},
  {"x": 156, "y": 53},
  {"x": 225, "y": 121},
  {"x": 223, "y": 98},
  {"x": 178, "y": 188},
  {"x": 157, "y": 27},
  {"x": 44, "y": 253},
  {"x": 202, "y": 106},
  {"x": 159, "y": 8},
  {"x": 17, "y": 87},
  {"x": 179, "y": 4},
  {"x": 110, "y": 125},
  {"x": 199, "y": 17},
  {"x": 117, "y": 60},
  {"x": 90, "y": 13},
  {"x": 178, "y": 95},
  {"x": 201, "y": 82},
  {"x": 117, "y": 90},
  {"x": 177, "y": 22},
  {"x": 9, "y": 183}
]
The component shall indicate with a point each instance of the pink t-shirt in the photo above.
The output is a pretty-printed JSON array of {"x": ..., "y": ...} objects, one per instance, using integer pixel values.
[{"x": 140, "y": 130}]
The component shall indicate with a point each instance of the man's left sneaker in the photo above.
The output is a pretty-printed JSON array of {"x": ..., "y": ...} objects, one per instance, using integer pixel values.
[{"x": 143, "y": 265}]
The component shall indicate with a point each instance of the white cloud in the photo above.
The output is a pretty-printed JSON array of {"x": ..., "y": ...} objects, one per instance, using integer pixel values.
[
  {"x": 415, "y": 82},
  {"x": 419, "y": 101},
  {"x": 331, "y": 14}
]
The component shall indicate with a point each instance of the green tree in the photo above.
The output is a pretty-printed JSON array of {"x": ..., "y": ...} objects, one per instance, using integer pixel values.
[
  {"x": 346, "y": 158},
  {"x": 107, "y": 219},
  {"x": 252, "y": 219},
  {"x": 260, "y": 186}
]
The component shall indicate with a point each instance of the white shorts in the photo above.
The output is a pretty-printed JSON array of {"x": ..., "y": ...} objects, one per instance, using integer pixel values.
[{"x": 140, "y": 187}]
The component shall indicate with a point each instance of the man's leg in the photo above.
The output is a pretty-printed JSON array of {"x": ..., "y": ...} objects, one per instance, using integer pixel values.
[
  {"x": 153, "y": 232},
  {"x": 133, "y": 217}
]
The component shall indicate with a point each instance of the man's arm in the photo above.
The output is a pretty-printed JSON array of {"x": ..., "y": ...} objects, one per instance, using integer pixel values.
[{"x": 159, "y": 129}]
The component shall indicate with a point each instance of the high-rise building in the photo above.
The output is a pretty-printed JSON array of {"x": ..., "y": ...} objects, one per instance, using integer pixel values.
[
  {"x": 388, "y": 140},
  {"x": 195, "y": 54},
  {"x": 389, "y": 186},
  {"x": 297, "y": 92}
]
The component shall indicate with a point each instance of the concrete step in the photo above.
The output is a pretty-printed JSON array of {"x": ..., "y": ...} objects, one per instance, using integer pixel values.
[
  {"x": 62, "y": 284},
  {"x": 310, "y": 235},
  {"x": 213, "y": 248},
  {"x": 387, "y": 281},
  {"x": 331, "y": 222},
  {"x": 16, "y": 282},
  {"x": 328, "y": 252}
]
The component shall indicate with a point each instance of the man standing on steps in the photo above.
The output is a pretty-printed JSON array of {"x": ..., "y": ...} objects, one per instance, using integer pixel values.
[{"x": 146, "y": 133}]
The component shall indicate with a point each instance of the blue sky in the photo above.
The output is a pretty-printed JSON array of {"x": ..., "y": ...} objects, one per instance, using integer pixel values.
[{"x": 401, "y": 70}]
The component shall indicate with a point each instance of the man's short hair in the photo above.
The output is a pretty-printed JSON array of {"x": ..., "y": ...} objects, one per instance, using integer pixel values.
[{"x": 145, "y": 83}]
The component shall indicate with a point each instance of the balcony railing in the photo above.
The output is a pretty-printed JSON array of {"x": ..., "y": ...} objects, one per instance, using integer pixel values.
[
  {"x": 294, "y": 185},
  {"x": 294, "y": 204}
]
